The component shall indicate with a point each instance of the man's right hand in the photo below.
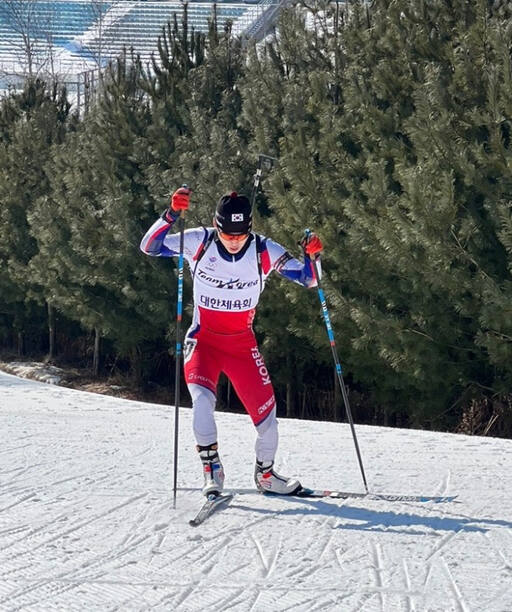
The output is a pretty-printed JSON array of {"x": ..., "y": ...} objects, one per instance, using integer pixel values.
[{"x": 180, "y": 199}]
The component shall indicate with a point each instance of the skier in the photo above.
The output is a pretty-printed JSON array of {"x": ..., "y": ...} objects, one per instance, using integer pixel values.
[{"x": 229, "y": 265}]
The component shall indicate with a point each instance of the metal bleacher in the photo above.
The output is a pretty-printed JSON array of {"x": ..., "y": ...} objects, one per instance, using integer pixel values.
[
  {"x": 33, "y": 33},
  {"x": 68, "y": 37},
  {"x": 140, "y": 24}
]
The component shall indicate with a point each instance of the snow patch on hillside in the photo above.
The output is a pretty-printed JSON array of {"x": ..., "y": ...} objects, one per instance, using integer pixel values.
[{"x": 34, "y": 370}]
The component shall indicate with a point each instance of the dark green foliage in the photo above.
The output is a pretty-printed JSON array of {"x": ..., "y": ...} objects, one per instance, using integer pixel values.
[
  {"x": 91, "y": 258},
  {"x": 32, "y": 122},
  {"x": 392, "y": 125},
  {"x": 394, "y": 146}
]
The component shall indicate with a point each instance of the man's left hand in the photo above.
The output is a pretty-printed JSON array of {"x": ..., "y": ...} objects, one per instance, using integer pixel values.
[{"x": 311, "y": 244}]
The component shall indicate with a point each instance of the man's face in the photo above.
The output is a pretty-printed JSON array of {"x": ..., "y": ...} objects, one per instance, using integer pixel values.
[{"x": 232, "y": 244}]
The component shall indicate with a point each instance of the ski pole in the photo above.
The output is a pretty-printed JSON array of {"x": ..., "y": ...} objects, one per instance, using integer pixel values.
[
  {"x": 264, "y": 162},
  {"x": 177, "y": 376},
  {"x": 339, "y": 374}
]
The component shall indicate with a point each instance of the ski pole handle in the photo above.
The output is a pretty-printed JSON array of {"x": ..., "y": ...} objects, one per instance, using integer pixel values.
[
  {"x": 183, "y": 210},
  {"x": 265, "y": 162},
  {"x": 313, "y": 256}
]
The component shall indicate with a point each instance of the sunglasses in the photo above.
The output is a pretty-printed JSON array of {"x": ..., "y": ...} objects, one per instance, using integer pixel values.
[{"x": 232, "y": 237}]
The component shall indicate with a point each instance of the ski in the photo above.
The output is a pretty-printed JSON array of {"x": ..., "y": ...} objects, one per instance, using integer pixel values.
[
  {"x": 213, "y": 502},
  {"x": 319, "y": 493}
]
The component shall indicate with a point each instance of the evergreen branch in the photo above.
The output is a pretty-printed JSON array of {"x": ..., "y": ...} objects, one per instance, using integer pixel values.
[
  {"x": 468, "y": 256},
  {"x": 438, "y": 343},
  {"x": 475, "y": 383},
  {"x": 500, "y": 335},
  {"x": 419, "y": 333}
]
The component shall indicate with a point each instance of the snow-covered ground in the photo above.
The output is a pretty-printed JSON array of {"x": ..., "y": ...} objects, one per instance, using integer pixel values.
[{"x": 87, "y": 521}]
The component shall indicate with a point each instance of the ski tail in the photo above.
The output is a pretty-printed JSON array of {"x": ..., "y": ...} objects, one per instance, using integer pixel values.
[{"x": 319, "y": 493}]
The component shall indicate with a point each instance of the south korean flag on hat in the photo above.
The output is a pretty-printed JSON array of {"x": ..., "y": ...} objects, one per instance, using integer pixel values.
[{"x": 234, "y": 215}]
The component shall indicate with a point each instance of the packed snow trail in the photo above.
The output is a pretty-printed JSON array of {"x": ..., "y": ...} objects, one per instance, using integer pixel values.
[{"x": 86, "y": 517}]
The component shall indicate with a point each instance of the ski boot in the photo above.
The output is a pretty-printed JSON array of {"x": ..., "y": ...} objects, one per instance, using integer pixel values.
[
  {"x": 268, "y": 481},
  {"x": 212, "y": 469}
]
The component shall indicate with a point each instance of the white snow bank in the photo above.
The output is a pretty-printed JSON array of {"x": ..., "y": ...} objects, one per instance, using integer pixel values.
[{"x": 35, "y": 370}]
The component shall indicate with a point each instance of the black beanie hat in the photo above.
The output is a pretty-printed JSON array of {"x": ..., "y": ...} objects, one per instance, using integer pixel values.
[{"x": 233, "y": 214}]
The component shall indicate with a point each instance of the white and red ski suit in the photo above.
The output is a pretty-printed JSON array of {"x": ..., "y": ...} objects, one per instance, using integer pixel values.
[{"x": 226, "y": 290}]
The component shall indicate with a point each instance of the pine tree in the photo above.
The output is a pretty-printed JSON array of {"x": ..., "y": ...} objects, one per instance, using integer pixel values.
[
  {"x": 389, "y": 149},
  {"x": 32, "y": 122},
  {"x": 166, "y": 84},
  {"x": 89, "y": 251},
  {"x": 283, "y": 91},
  {"x": 214, "y": 152}
]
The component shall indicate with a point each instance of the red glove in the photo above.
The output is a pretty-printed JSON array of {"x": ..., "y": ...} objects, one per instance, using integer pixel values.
[
  {"x": 180, "y": 199},
  {"x": 312, "y": 244}
]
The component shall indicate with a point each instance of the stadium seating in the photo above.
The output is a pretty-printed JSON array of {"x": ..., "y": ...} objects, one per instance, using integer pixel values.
[{"x": 71, "y": 36}]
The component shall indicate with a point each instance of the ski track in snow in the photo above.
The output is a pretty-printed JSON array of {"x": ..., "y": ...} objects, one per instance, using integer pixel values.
[{"x": 87, "y": 521}]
